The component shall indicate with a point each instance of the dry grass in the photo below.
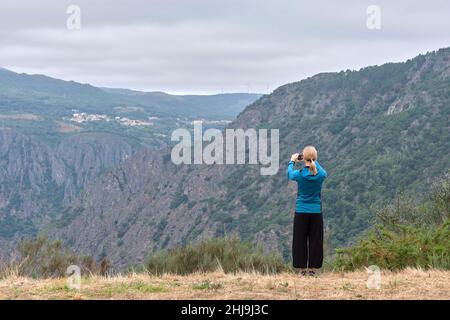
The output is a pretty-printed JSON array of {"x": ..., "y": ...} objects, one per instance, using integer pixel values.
[{"x": 408, "y": 284}]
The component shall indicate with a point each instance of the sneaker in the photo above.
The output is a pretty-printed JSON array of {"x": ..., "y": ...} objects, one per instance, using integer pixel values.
[
  {"x": 312, "y": 273},
  {"x": 302, "y": 273}
]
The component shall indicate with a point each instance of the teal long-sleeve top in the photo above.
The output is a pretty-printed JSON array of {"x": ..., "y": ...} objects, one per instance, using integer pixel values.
[{"x": 309, "y": 187}]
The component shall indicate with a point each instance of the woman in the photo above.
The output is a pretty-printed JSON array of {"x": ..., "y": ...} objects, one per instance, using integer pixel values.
[{"x": 307, "y": 245}]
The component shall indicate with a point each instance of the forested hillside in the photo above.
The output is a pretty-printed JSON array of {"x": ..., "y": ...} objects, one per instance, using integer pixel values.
[{"x": 378, "y": 130}]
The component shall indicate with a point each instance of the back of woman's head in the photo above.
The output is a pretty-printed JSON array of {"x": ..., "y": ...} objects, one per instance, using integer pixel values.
[{"x": 310, "y": 155}]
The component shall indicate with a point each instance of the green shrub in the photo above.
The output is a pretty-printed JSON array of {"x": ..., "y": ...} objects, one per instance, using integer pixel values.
[
  {"x": 230, "y": 254},
  {"x": 397, "y": 249},
  {"x": 44, "y": 258},
  {"x": 407, "y": 235}
]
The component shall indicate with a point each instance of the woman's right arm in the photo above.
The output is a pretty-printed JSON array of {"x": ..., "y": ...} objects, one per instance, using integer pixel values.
[{"x": 292, "y": 173}]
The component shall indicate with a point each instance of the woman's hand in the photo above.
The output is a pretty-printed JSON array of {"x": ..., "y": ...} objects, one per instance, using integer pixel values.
[{"x": 294, "y": 157}]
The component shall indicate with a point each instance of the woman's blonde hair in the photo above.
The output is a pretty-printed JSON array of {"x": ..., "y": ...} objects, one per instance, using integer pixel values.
[{"x": 310, "y": 154}]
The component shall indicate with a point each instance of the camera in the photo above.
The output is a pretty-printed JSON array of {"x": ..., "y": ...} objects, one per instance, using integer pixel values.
[{"x": 300, "y": 156}]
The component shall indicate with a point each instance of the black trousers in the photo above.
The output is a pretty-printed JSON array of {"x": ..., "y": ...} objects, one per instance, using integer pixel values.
[{"x": 307, "y": 244}]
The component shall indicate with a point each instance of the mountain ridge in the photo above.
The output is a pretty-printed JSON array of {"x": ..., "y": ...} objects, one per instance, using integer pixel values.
[{"x": 35, "y": 81}]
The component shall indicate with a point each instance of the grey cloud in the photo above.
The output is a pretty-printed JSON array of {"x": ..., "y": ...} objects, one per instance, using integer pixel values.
[{"x": 212, "y": 46}]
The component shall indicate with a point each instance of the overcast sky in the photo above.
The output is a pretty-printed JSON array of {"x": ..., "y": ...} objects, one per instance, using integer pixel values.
[{"x": 209, "y": 46}]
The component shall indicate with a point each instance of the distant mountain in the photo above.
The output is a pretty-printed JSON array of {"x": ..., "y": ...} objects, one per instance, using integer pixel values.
[
  {"x": 49, "y": 96},
  {"x": 378, "y": 130},
  {"x": 43, "y": 95},
  {"x": 42, "y": 106},
  {"x": 217, "y": 106}
]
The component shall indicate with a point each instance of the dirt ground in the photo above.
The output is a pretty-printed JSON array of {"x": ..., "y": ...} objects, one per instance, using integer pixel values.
[{"x": 407, "y": 284}]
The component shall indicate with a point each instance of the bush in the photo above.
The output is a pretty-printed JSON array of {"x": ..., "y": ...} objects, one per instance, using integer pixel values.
[
  {"x": 397, "y": 249},
  {"x": 44, "y": 258},
  {"x": 230, "y": 254},
  {"x": 407, "y": 235}
]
